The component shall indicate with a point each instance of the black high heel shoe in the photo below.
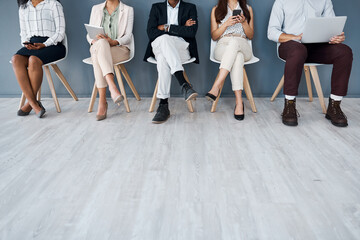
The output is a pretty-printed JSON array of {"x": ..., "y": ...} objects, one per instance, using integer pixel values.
[
  {"x": 240, "y": 117},
  {"x": 42, "y": 111},
  {"x": 22, "y": 113},
  {"x": 211, "y": 97}
]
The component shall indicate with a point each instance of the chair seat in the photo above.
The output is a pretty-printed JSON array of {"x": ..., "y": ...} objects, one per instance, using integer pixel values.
[
  {"x": 89, "y": 61},
  {"x": 153, "y": 60},
  {"x": 251, "y": 61}
]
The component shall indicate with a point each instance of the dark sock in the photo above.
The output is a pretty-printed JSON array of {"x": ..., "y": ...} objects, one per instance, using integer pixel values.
[
  {"x": 180, "y": 77},
  {"x": 164, "y": 101}
]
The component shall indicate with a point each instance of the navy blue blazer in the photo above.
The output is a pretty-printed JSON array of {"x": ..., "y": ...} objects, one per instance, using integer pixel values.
[{"x": 158, "y": 16}]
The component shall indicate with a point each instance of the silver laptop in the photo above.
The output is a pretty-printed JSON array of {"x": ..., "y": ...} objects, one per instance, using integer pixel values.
[{"x": 320, "y": 30}]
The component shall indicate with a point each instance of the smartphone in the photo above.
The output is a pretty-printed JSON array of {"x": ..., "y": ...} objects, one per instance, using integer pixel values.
[
  {"x": 28, "y": 43},
  {"x": 237, "y": 12}
]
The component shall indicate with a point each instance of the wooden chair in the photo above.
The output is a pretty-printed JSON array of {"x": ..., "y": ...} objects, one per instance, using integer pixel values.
[
  {"x": 153, "y": 101},
  {"x": 308, "y": 68},
  {"x": 51, "y": 83},
  {"x": 247, "y": 87},
  {"x": 119, "y": 69}
]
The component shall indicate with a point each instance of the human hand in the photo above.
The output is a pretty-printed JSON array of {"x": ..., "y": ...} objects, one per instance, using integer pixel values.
[
  {"x": 107, "y": 38},
  {"x": 298, "y": 37},
  {"x": 35, "y": 46},
  {"x": 161, "y": 27},
  {"x": 242, "y": 18},
  {"x": 337, "y": 39},
  {"x": 190, "y": 22},
  {"x": 232, "y": 21}
]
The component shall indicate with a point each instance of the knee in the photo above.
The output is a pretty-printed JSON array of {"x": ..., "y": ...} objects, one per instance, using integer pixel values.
[
  {"x": 299, "y": 52},
  {"x": 345, "y": 52},
  {"x": 18, "y": 60},
  {"x": 34, "y": 63}
]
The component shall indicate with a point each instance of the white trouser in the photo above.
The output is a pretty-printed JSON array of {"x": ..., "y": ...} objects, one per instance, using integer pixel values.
[
  {"x": 170, "y": 52},
  {"x": 233, "y": 52}
]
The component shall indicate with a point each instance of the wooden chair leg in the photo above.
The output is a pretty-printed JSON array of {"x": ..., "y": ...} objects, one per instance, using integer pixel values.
[
  {"x": 189, "y": 103},
  {"x": 153, "y": 100},
  {"x": 64, "y": 81},
  {"x": 315, "y": 76},
  {"x": 278, "y": 89},
  {"x": 22, "y": 100},
  {"x": 129, "y": 81},
  {"x": 52, "y": 88},
  {"x": 308, "y": 82},
  {"x": 93, "y": 98},
  {"x": 39, "y": 94},
  {"x": 215, "y": 103},
  {"x": 122, "y": 88},
  {"x": 248, "y": 92}
]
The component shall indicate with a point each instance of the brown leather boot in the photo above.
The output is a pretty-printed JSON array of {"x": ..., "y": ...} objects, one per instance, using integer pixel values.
[
  {"x": 290, "y": 114},
  {"x": 335, "y": 115}
]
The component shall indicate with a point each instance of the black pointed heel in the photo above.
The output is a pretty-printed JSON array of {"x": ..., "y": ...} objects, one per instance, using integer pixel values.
[{"x": 240, "y": 117}]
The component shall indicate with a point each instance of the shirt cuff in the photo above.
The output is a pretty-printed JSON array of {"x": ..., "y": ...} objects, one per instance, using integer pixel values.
[{"x": 48, "y": 42}]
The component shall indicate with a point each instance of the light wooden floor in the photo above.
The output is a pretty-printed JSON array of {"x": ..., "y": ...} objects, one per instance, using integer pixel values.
[{"x": 199, "y": 176}]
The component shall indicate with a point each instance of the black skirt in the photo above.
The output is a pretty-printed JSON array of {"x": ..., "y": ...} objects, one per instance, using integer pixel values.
[{"x": 47, "y": 54}]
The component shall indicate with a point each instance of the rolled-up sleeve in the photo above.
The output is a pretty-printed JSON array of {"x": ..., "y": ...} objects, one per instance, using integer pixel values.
[
  {"x": 329, "y": 9},
  {"x": 276, "y": 22},
  {"x": 59, "y": 20}
]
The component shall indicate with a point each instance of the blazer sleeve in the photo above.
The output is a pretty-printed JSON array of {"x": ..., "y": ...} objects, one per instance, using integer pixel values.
[
  {"x": 126, "y": 39},
  {"x": 92, "y": 15},
  {"x": 152, "y": 30},
  {"x": 184, "y": 31}
]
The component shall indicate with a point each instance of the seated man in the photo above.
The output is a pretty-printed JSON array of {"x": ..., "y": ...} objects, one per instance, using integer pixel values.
[
  {"x": 287, "y": 22},
  {"x": 171, "y": 29}
]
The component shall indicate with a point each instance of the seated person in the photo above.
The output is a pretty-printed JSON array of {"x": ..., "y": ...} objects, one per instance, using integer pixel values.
[
  {"x": 111, "y": 48},
  {"x": 232, "y": 48},
  {"x": 172, "y": 27},
  {"x": 41, "y": 37},
  {"x": 287, "y": 21}
]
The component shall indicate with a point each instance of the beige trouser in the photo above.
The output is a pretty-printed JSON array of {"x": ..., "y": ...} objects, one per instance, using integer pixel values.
[
  {"x": 103, "y": 58},
  {"x": 233, "y": 52}
]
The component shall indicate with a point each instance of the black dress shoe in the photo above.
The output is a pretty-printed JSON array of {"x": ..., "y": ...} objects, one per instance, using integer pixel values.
[
  {"x": 42, "y": 111},
  {"x": 240, "y": 117},
  {"x": 210, "y": 97},
  {"x": 162, "y": 114},
  {"x": 188, "y": 92},
  {"x": 21, "y": 113}
]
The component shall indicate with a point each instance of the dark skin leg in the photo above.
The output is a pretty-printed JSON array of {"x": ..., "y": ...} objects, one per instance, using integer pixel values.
[
  {"x": 35, "y": 72},
  {"x": 20, "y": 65}
]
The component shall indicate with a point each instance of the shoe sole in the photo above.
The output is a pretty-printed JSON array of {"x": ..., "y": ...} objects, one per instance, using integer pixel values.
[
  {"x": 160, "y": 122},
  {"x": 119, "y": 100},
  {"x": 334, "y": 123},
  {"x": 290, "y": 124},
  {"x": 192, "y": 96}
]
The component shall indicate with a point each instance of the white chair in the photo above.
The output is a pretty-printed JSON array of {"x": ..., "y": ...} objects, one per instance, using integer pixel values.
[
  {"x": 247, "y": 87},
  {"x": 308, "y": 68},
  {"x": 50, "y": 81},
  {"x": 119, "y": 69},
  {"x": 153, "y": 101}
]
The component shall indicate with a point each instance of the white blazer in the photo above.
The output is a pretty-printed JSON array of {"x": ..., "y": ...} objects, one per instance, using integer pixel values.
[{"x": 125, "y": 25}]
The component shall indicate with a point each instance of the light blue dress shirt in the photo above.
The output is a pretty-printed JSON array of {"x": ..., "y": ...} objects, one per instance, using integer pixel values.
[{"x": 289, "y": 16}]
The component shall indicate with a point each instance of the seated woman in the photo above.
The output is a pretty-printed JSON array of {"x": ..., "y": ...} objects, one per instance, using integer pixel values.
[
  {"x": 42, "y": 28},
  {"x": 232, "y": 48},
  {"x": 117, "y": 19}
]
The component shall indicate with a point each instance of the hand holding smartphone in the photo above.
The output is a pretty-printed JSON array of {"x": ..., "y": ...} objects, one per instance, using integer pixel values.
[{"x": 28, "y": 43}]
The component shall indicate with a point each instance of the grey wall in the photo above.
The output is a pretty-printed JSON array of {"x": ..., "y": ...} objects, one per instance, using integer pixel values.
[{"x": 264, "y": 76}]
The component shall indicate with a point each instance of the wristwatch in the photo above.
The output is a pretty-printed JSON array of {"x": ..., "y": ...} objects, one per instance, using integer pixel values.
[{"x": 166, "y": 27}]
